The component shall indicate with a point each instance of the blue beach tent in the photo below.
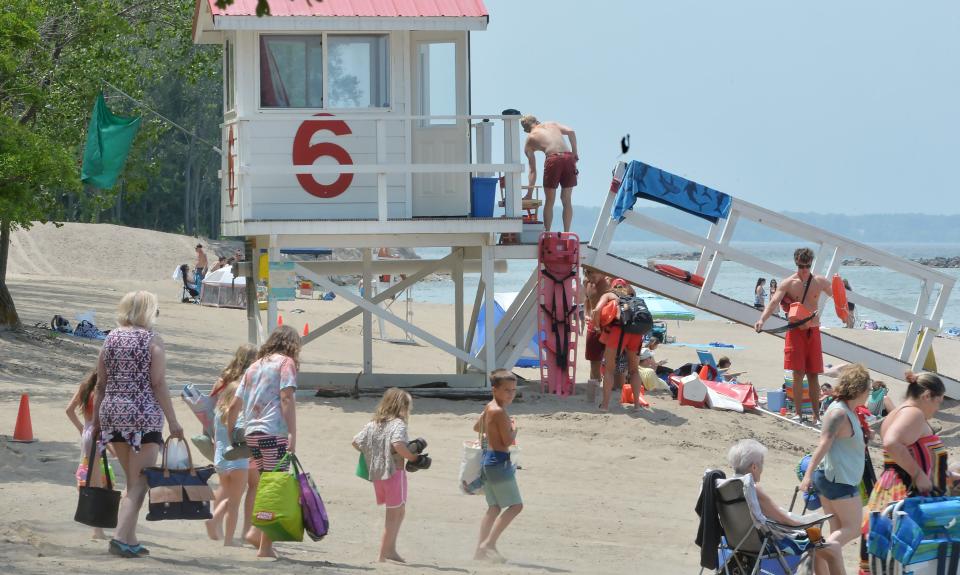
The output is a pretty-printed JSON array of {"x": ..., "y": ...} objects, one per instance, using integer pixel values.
[{"x": 502, "y": 301}]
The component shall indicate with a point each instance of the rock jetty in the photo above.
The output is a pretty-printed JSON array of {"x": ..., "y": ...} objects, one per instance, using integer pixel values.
[{"x": 937, "y": 262}]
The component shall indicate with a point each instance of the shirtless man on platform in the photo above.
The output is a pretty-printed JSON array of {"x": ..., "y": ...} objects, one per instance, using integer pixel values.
[
  {"x": 595, "y": 284},
  {"x": 559, "y": 167},
  {"x": 802, "y": 352}
]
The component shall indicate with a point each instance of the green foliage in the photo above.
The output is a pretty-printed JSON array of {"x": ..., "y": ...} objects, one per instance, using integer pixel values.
[
  {"x": 263, "y": 6},
  {"x": 54, "y": 58}
]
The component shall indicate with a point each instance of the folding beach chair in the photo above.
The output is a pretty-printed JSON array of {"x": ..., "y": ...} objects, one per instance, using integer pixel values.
[
  {"x": 755, "y": 545},
  {"x": 189, "y": 293},
  {"x": 706, "y": 358},
  {"x": 916, "y": 536}
]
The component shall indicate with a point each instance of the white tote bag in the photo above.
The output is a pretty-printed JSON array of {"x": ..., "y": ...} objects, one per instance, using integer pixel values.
[{"x": 470, "y": 466}]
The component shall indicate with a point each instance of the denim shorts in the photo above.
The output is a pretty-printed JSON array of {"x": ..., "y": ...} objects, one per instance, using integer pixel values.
[{"x": 831, "y": 490}]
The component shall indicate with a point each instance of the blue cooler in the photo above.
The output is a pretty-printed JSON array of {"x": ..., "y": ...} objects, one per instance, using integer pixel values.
[
  {"x": 482, "y": 194},
  {"x": 776, "y": 400}
]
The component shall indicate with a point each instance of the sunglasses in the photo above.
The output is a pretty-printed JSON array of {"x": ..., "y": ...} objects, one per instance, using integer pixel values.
[{"x": 804, "y": 266}]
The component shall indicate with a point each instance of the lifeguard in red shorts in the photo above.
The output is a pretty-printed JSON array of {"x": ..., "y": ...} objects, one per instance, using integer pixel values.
[
  {"x": 559, "y": 167},
  {"x": 595, "y": 284},
  {"x": 802, "y": 351}
]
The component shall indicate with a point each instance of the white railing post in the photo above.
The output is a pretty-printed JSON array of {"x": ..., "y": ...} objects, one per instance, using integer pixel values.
[
  {"x": 367, "y": 315},
  {"x": 603, "y": 221},
  {"x": 713, "y": 268},
  {"x": 926, "y": 340},
  {"x": 913, "y": 329},
  {"x": 381, "y": 176},
  {"x": 273, "y": 255},
  {"x": 489, "y": 343},
  {"x": 484, "y": 144},
  {"x": 712, "y": 235},
  {"x": 511, "y": 155},
  {"x": 832, "y": 268}
]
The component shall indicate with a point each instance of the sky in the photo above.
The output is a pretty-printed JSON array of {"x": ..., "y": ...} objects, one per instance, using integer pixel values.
[{"x": 830, "y": 107}]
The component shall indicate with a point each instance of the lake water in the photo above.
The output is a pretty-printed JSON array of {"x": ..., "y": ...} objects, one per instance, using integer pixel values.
[{"x": 738, "y": 281}]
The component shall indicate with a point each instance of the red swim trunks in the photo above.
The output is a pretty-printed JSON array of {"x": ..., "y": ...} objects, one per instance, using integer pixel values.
[
  {"x": 631, "y": 341},
  {"x": 560, "y": 170},
  {"x": 594, "y": 350},
  {"x": 802, "y": 351}
]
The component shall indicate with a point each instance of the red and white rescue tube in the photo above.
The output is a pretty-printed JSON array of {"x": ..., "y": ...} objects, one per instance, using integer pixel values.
[{"x": 679, "y": 274}]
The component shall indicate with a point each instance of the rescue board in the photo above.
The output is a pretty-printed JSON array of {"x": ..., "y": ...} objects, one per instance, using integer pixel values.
[{"x": 558, "y": 298}]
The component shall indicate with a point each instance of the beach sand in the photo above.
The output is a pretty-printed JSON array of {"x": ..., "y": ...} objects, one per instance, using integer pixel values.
[{"x": 603, "y": 493}]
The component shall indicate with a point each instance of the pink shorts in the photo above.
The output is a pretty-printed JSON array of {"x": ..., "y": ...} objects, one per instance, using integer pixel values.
[{"x": 392, "y": 492}]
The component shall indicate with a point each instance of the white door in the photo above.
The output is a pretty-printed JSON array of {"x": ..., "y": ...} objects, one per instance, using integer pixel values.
[{"x": 439, "y": 86}]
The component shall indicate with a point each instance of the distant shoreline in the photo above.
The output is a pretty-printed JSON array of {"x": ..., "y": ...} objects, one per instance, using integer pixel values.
[{"x": 935, "y": 262}]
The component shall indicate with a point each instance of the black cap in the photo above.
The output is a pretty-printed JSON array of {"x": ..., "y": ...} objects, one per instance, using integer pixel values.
[{"x": 510, "y": 112}]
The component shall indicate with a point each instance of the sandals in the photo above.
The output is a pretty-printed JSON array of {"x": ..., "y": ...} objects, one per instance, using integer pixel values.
[{"x": 127, "y": 551}]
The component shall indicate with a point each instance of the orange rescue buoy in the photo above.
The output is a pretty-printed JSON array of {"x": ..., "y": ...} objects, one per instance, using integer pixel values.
[
  {"x": 840, "y": 298},
  {"x": 679, "y": 274}
]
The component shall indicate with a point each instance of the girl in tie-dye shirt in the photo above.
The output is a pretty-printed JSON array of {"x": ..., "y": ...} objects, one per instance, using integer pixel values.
[{"x": 266, "y": 396}]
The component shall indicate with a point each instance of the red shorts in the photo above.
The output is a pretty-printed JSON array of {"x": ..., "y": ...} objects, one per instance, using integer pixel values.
[
  {"x": 594, "y": 350},
  {"x": 631, "y": 341},
  {"x": 802, "y": 351},
  {"x": 560, "y": 170},
  {"x": 392, "y": 492}
]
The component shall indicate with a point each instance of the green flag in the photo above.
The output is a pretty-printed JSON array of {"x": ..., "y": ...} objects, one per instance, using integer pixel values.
[{"x": 109, "y": 138}]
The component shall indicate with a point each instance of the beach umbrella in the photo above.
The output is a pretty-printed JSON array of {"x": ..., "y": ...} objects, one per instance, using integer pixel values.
[{"x": 662, "y": 308}]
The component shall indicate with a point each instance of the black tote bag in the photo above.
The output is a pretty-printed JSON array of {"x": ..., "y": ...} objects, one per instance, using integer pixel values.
[
  {"x": 179, "y": 493},
  {"x": 97, "y": 506}
]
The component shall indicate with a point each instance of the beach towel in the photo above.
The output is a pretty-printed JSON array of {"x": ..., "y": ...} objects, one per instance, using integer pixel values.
[{"x": 650, "y": 183}]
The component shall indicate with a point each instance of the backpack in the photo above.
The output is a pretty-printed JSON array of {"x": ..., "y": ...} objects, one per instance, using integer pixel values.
[
  {"x": 60, "y": 323},
  {"x": 634, "y": 315}
]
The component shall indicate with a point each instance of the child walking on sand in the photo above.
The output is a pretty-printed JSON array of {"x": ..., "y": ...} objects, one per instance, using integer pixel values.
[
  {"x": 384, "y": 444},
  {"x": 499, "y": 474},
  {"x": 266, "y": 397},
  {"x": 236, "y": 474},
  {"x": 82, "y": 401}
]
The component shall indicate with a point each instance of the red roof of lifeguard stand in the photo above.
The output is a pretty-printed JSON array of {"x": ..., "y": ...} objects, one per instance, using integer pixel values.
[{"x": 358, "y": 8}]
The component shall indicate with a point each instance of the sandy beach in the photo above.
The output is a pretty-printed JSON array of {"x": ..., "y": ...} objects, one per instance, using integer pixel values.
[{"x": 603, "y": 493}]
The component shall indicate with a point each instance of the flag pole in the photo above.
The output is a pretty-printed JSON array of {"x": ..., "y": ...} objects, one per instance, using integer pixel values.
[{"x": 164, "y": 118}]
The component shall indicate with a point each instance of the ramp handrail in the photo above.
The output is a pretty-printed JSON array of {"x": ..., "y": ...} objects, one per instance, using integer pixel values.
[{"x": 831, "y": 249}]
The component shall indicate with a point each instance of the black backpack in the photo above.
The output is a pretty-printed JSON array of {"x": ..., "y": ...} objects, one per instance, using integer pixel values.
[
  {"x": 60, "y": 323},
  {"x": 634, "y": 315}
]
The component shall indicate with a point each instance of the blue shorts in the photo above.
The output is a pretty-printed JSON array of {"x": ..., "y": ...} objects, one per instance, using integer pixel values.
[
  {"x": 500, "y": 480},
  {"x": 831, "y": 490}
]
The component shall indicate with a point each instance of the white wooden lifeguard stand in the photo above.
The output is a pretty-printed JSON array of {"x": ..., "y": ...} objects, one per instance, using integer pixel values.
[{"x": 348, "y": 124}]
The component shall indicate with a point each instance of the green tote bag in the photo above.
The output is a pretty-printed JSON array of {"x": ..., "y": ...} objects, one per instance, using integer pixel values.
[{"x": 276, "y": 509}]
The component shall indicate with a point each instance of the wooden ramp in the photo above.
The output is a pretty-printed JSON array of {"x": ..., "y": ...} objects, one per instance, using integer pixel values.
[{"x": 923, "y": 322}]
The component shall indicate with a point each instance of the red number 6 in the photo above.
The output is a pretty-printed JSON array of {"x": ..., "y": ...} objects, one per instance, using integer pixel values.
[{"x": 304, "y": 154}]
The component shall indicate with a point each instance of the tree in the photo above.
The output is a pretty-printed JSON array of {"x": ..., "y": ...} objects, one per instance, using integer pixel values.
[
  {"x": 263, "y": 6},
  {"x": 53, "y": 54}
]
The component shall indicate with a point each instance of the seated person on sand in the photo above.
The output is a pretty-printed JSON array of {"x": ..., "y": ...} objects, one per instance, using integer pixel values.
[
  {"x": 827, "y": 393},
  {"x": 747, "y": 458},
  {"x": 189, "y": 281},
  {"x": 647, "y": 369},
  {"x": 888, "y": 405}
]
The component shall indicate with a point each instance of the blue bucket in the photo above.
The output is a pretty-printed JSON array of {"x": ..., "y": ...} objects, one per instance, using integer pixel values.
[{"x": 483, "y": 191}]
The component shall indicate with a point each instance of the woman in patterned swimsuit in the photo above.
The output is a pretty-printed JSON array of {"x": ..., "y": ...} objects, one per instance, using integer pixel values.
[
  {"x": 131, "y": 402},
  {"x": 914, "y": 457}
]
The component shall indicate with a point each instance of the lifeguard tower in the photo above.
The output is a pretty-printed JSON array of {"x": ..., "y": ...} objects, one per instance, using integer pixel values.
[{"x": 348, "y": 124}]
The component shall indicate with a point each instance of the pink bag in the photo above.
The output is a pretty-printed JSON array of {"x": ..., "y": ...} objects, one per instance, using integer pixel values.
[{"x": 315, "y": 520}]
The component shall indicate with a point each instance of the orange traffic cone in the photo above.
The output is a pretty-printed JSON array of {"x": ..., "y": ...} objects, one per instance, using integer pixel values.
[
  {"x": 23, "y": 431},
  {"x": 306, "y": 329},
  {"x": 279, "y": 319}
]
